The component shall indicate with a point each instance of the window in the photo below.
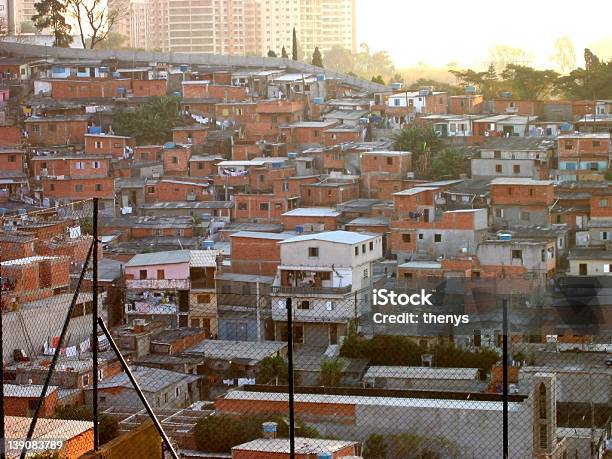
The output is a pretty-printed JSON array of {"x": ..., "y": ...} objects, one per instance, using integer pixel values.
[
  {"x": 35, "y": 128},
  {"x": 278, "y": 205},
  {"x": 242, "y": 206},
  {"x": 543, "y": 255},
  {"x": 356, "y": 251},
  {"x": 371, "y": 245},
  {"x": 52, "y": 187},
  {"x": 264, "y": 206},
  {"x": 177, "y": 391},
  {"x": 12, "y": 158},
  {"x": 499, "y": 213},
  {"x": 421, "y": 236},
  {"x": 79, "y": 165},
  {"x": 596, "y": 143},
  {"x": 85, "y": 380},
  {"x": 603, "y": 203},
  {"x": 365, "y": 273},
  {"x": 97, "y": 144},
  {"x": 525, "y": 216},
  {"x": 304, "y": 304},
  {"x": 516, "y": 169},
  {"x": 98, "y": 187},
  {"x": 200, "y": 166},
  {"x": 569, "y": 145},
  {"x": 389, "y": 161},
  {"x": 96, "y": 164},
  {"x": 313, "y": 252},
  {"x": 606, "y": 268},
  {"x": 174, "y": 160},
  {"x": 498, "y": 168},
  {"x": 582, "y": 269},
  {"x": 437, "y": 238},
  {"x": 363, "y": 248},
  {"x": 406, "y": 237},
  {"x": 150, "y": 189},
  {"x": 161, "y": 274},
  {"x": 246, "y": 289},
  {"x": 531, "y": 193},
  {"x": 604, "y": 235},
  {"x": 78, "y": 188},
  {"x": 517, "y": 254},
  {"x": 315, "y": 133},
  {"x": 594, "y": 167}
]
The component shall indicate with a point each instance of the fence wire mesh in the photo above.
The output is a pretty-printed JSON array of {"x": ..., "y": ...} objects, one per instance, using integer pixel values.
[{"x": 209, "y": 353}]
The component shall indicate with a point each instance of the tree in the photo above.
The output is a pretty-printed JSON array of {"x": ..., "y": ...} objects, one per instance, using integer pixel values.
[
  {"x": 113, "y": 40},
  {"x": 94, "y": 20},
  {"x": 486, "y": 82},
  {"x": 27, "y": 27},
  {"x": 317, "y": 59},
  {"x": 108, "y": 425},
  {"x": 51, "y": 14},
  {"x": 375, "y": 447},
  {"x": 340, "y": 59},
  {"x": 527, "y": 82},
  {"x": 378, "y": 79},
  {"x": 294, "y": 46},
  {"x": 151, "y": 122},
  {"x": 271, "y": 53},
  {"x": 502, "y": 55},
  {"x": 272, "y": 369},
  {"x": 421, "y": 142},
  {"x": 398, "y": 78},
  {"x": 219, "y": 433},
  {"x": 565, "y": 54},
  {"x": 591, "y": 82},
  {"x": 284, "y": 54},
  {"x": 330, "y": 371},
  {"x": 449, "y": 164},
  {"x": 3, "y": 26}
]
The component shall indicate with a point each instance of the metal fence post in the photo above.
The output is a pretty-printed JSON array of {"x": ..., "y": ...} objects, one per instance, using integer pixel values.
[
  {"x": 505, "y": 376},
  {"x": 94, "y": 330},
  {"x": 290, "y": 381}
]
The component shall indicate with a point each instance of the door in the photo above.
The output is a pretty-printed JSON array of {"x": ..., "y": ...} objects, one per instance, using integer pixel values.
[
  {"x": 333, "y": 333},
  {"x": 582, "y": 269}
]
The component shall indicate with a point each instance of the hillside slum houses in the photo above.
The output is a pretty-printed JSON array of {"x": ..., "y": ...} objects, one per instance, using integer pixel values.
[{"x": 271, "y": 185}]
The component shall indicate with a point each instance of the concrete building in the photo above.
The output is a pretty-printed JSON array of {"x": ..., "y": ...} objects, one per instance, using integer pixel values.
[
  {"x": 322, "y": 273},
  {"x": 521, "y": 201}
]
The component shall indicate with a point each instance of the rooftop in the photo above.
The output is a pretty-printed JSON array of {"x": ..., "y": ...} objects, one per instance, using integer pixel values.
[
  {"x": 339, "y": 237},
  {"x": 594, "y": 253},
  {"x": 302, "y": 445},
  {"x": 149, "y": 379},
  {"x": 519, "y": 181},
  {"x": 228, "y": 350},
  {"x": 421, "y": 373},
  {"x": 160, "y": 258},
  {"x": 263, "y": 235},
  {"x": 415, "y": 190},
  {"x": 312, "y": 212}
]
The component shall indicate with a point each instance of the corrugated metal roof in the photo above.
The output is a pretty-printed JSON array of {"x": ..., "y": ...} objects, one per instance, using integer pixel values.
[
  {"x": 340, "y": 237},
  {"x": 421, "y": 372},
  {"x": 203, "y": 258}
]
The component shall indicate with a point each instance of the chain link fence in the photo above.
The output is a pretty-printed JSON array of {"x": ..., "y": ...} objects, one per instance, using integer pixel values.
[{"x": 187, "y": 359}]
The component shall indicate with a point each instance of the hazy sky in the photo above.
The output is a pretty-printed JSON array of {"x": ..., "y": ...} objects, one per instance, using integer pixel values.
[{"x": 438, "y": 32}]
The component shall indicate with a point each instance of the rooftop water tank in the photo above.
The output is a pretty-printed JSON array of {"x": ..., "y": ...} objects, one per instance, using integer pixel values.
[
  {"x": 504, "y": 236},
  {"x": 208, "y": 244},
  {"x": 292, "y": 155},
  {"x": 299, "y": 229},
  {"x": 397, "y": 85},
  {"x": 317, "y": 100}
]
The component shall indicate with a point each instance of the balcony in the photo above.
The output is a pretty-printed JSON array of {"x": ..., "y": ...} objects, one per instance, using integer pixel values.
[
  {"x": 306, "y": 290},
  {"x": 158, "y": 284}
]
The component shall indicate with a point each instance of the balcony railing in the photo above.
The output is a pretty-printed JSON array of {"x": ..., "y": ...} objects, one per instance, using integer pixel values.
[
  {"x": 158, "y": 284},
  {"x": 306, "y": 290}
]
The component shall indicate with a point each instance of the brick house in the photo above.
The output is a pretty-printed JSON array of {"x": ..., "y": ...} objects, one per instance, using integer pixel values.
[
  {"x": 147, "y": 152},
  {"x": 341, "y": 134},
  {"x": 21, "y": 400},
  {"x": 203, "y": 165},
  {"x": 277, "y": 111},
  {"x": 206, "y": 90},
  {"x": 466, "y": 104},
  {"x": 77, "y": 165},
  {"x": 515, "y": 107},
  {"x": 262, "y": 208},
  {"x": 306, "y": 132},
  {"x": 68, "y": 189},
  {"x": 175, "y": 158},
  {"x": 13, "y": 159},
  {"x": 179, "y": 190},
  {"x": 108, "y": 144},
  {"x": 331, "y": 191},
  {"x": 240, "y": 112},
  {"x": 56, "y": 130},
  {"x": 521, "y": 201},
  {"x": 311, "y": 218},
  {"x": 190, "y": 135},
  {"x": 256, "y": 253},
  {"x": 583, "y": 156}
]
